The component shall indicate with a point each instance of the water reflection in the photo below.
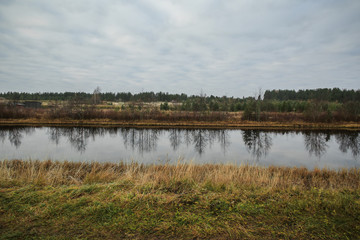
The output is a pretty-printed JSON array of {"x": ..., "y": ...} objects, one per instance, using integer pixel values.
[
  {"x": 144, "y": 140},
  {"x": 316, "y": 143},
  {"x": 78, "y": 137},
  {"x": 175, "y": 137},
  {"x": 348, "y": 141},
  {"x": 258, "y": 143},
  {"x": 15, "y": 135},
  {"x": 224, "y": 140},
  {"x": 199, "y": 138}
]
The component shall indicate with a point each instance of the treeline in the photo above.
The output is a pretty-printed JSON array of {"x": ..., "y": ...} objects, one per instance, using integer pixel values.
[
  {"x": 107, "y": 96},
  {"x": 310, "y": 111},
  {"x": 319, "y": 105},
  {"x": 323, "y": 94}
]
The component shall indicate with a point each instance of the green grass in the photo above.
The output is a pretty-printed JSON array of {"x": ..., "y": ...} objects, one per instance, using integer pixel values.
[
  {"x": 178, "y": 206},
  {"x": 108, "y": 211}
]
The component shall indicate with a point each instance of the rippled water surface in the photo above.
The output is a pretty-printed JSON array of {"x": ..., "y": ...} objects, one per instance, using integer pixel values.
[{"x": 336, "y": 149}]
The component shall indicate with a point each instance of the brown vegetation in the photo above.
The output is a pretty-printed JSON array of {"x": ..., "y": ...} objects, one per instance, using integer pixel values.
[
  {"x": 66, "y": 200},
  {"x": 87, "y": 112},
  {"x": 66, "y": 173},
  {"x": 88, "y": 115}
]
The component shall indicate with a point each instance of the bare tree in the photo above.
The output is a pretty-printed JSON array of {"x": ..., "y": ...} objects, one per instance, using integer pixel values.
[
  {"x": 258, "y": 99},
  {"x": 96, "y": 95}
]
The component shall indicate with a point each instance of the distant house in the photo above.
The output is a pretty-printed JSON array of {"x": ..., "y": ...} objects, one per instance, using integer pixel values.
[{"x": 32, "y": 104}]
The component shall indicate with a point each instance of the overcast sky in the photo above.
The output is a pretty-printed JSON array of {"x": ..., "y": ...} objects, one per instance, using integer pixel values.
[{"x": 221, "y": 47}]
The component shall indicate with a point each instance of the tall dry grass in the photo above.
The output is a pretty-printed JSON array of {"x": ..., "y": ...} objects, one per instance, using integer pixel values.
[{"x": 179, "y": 176}]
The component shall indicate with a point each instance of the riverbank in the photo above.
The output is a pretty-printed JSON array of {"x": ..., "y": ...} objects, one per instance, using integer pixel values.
[
  {"x": 230, "y": 124},
  {"x": 63, "y": 200}
]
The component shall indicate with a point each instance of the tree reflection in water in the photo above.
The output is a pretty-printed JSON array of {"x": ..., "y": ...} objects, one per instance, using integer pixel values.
[
  {"x": 15, "y": 134},
  {"x": 187, "y": 137},
  {"x": 144, "y": 140},
  {"x": 199, "y": 138},
  {"x": 175, "y": 137},
  {"x": 349, "y": 140},
  {"x": 258, "y": 143},
  {"x": 3, "y": 135},
  {"x": 315, "y": 143},
  {"x": 223, "y": 138},
  {"x": 55, "y": 134},
  {"x": 77, "y": 136}
]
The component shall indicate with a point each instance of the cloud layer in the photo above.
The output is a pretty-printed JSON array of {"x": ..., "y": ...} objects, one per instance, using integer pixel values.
[{"x": 219, "y": 47}]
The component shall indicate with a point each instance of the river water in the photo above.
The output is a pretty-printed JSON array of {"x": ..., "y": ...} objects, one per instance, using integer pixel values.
[{"x": 311, "y": 149}]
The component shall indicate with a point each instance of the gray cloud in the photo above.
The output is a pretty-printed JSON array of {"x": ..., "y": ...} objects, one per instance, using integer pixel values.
[{"x": 221, "y": 47}]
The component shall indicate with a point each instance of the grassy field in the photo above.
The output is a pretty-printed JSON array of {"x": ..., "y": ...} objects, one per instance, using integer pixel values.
[{"x": 63, "y": 200}]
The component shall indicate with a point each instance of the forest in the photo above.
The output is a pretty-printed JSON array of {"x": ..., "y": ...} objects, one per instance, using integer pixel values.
[
  {"x": 323, "y": 94},
  {"x": 314, "y": 105}
]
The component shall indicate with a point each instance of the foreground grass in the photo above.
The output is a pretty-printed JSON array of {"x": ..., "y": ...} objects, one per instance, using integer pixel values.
[{"x": 55, "y": 200}]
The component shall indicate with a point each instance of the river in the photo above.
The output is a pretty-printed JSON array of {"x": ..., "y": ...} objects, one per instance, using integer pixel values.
[{"x": 310, "y": 149}]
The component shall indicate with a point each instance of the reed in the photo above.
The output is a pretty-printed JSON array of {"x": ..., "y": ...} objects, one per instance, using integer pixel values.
[{"x": 19, "y": 172}]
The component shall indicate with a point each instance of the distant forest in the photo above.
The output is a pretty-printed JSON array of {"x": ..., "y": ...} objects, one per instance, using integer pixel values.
[
  {"x": 319, "y": 105},
  {"x": 108, "y": 96},
  {"x": 323, "y": 94}
]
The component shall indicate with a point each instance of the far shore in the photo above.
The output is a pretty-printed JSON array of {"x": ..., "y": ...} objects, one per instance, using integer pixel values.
[{"x": 237, "y": 124}]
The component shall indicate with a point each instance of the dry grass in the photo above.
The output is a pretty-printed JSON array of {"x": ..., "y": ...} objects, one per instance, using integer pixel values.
[
  {"x": 66, "y": 200},
  {"x": 18, "y": 172}
]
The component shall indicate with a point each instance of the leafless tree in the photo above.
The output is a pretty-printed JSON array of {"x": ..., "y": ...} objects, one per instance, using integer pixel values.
[{"x": 96, "y": 96}]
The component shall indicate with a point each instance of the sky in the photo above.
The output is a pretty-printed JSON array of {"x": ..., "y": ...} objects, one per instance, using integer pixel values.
[{"x": 232, "y": 48}]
